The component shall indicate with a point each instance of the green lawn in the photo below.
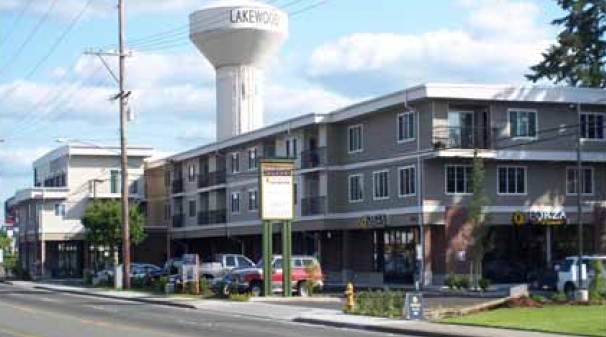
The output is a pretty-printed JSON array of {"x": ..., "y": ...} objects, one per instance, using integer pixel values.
[{"x": 577, "y": 320}]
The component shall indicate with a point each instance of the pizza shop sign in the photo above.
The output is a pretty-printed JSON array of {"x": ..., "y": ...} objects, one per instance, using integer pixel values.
[{"x": 551, "y": 216}]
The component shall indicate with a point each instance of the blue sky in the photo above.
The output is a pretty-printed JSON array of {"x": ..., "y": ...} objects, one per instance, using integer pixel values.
[{"x": 339, "y": 52}]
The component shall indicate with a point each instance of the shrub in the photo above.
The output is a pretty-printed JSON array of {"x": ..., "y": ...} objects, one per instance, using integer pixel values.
[
  {"x": 484, "y": 284},
  {"x": 206, "y": 287},
  {"x": 159, "y": 284},
  {"x": 559, "y": 297},
  {"x": 239, "y": 297},
  {"x": 539, "y": 298},
  {"x": 463, "y": 282},
  {"x": 137, "y": 282},
  {"x": 383, "y": 303},
  {"x": 597, "y": 286},
  {"x": 450, "y": 282}
]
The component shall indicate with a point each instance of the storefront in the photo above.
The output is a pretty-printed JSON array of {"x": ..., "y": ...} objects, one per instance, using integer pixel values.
[{"x": 64, "y": 259}]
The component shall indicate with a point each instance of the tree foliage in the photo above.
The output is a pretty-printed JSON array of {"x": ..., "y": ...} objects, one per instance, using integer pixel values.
[
  {"x": 579, "y": 56},
  {"x": 5, "y": 241},
  {"x": 481, "y": 236},
  {"x": 103, "y": 223}
]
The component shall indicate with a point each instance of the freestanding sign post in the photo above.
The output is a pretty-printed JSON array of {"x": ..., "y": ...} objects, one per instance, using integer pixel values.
[{"x": 276, "y": 188}]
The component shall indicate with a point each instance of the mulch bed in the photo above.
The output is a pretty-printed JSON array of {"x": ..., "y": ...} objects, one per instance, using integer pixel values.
[{"x": 527, "y": 302}]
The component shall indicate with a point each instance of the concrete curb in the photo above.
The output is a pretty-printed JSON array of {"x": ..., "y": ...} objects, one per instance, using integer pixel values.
[{"x": 132, "y": 299}]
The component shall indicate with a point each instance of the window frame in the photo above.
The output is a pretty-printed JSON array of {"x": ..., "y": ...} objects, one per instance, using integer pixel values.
[
  {"x": 349, "y": 139},
  {"x": 349, "y": 185},
  {"x": 374, "y": 185},
  {"x": 536, "y": 124},
  {"x": 231, "y": 203},
  {"x": 525, "y": 168},
  {"x": 189, "y": 208},
  {"x": 574, "y": 168},
  {"x": 465, "y": 182},
  {"x": 253, "y": 160},
  {"x": 191, "y": 172},
  {"x": 414, "y": 181},
  {"x": 586, "y": 139},
  {"x": 234, "y": 157},
  {"x": 118, "y": 181},
  {"x": 60, "y": 210},
  {"x": 254, "y": 192},
  {"x": 403, "y": 116}
]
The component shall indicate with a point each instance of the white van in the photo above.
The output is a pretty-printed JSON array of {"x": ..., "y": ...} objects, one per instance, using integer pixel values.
[{"x": 568, "y": 272}]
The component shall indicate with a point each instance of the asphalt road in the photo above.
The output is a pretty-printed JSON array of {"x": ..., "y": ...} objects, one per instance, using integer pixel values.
[{"x": 37, "y": 313}]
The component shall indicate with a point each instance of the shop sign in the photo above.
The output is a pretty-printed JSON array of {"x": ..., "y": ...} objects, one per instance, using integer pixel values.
[
  {"x": 547, "y": 217},
  {"x": 414, "y": 307},
  {"x": 277, "y": 190},
  {"x": 373, "y": 221}
]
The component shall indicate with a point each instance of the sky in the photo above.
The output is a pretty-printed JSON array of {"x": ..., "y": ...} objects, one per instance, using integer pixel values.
[{"x": 338, "y": 52}]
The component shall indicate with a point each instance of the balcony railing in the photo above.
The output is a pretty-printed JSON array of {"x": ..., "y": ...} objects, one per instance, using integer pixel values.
[
  {"x": 177, "y": 186},
  {"x": 313, "y": 206},
  {"x": 211, "y": 179},
  {"x": 212, "y": 217},
  {"x": 178, "y": 220},
  {"x": 314, "y": 158},
  {"x": 462, "y": 138}
]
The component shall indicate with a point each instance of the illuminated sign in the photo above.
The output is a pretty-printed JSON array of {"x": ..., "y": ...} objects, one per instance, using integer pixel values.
[
  {"x": 368, "y": 221},
  {"x": 277, "y": 190},
  {"x": 548, "y": 216}
]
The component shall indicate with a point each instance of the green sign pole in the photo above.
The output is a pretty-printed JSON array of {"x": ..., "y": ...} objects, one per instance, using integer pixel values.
[
  {"x": 286, "y": 258},
  {"x": 267, "y": 258}
]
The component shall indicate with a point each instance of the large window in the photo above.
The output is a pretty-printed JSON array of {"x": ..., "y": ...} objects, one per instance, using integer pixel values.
[
  {"x": 459, "y": 179},
  {"x": 291, "y": 148},
  {"x": 356, "y": 188},
  {"x": 512, "y": 180},
  {"x": 191, "y": 173},
  {"x": 406, "y": 126},
  {"x": 235, "y": 162},
  {"x": 60, "y": 210},
  {"x": 523, "y": 124},
  {"x": 586, "y": 181},
  {"x": 252, "y": 158},
  {"x": 235, "y": 202},
  {"x": 592, "y": 126},
  {"x": 381, "y": 185},
  {"x": 253, "y": 200},
  {"x": 406, "y": 181},
  {"x": 355, "y": 141},
  {"x": 115, "y": 181},
  {"x": 192, "y": 208}
]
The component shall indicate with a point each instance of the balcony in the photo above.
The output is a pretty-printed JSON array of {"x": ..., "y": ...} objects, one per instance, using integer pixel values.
[
  {"x": 177, "y": 186},
  {"x": 314, "y": 158},
  {"x": 313, "y": 206},
  {"x": 211, "y": 179},
  {"x": 178, "y": 220},
  {"x": 212, "y": 217},
  {"x": 462, "y": 138}
]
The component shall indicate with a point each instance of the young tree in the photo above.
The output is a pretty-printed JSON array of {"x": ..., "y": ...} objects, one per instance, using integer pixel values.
[
  {"x": 579, "y": 56},
  {"x": 481, "y": 236},
  {"x": 103, "y": 223}
]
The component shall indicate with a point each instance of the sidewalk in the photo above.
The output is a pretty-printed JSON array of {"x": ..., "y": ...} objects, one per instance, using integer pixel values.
[{"x": 263, "y": 309}]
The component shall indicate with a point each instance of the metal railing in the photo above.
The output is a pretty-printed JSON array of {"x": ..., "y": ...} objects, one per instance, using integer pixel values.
[
  {"x": 462, "y": 138},
  {"x": 211, "y": 179},
  {"x": 212, "y": 217},
  {"x": 313, "y": 205},
  {"x": 314, "y": 158}
]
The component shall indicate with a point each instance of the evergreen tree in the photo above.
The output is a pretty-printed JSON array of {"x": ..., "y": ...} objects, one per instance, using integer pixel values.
[{"x": 579, "y": 56}]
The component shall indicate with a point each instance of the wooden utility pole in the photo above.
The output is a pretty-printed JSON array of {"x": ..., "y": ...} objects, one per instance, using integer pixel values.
[{"x": 123, "y": 152}]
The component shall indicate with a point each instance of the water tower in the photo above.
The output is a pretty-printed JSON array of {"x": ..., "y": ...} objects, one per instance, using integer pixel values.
[{"x": 238, "y": 38}]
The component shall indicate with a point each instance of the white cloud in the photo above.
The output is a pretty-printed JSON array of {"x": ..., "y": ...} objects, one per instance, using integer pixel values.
[
  {"x": 18, "y": 161},
  {"x": 498, "y": 42}
]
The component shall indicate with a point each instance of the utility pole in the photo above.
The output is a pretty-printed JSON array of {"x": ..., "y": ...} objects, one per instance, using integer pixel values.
[
  {"x": 581, "y": 291},
  {"x": 124, "y": 155}
]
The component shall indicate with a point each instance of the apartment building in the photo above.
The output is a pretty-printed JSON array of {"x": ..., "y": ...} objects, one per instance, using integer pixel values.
[
  {"x": 371, "y": 175},
  {"x": 48, "y": 214}
]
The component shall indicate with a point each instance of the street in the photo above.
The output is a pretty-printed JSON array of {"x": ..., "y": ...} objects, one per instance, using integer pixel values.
[{"x": 38, "y": 313}]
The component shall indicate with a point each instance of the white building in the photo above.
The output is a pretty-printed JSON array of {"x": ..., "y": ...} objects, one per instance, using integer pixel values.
[{"x": 48, "y": 214}]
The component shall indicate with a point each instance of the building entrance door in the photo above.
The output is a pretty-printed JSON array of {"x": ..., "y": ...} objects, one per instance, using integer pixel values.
[{"x": 398, "y": 254}]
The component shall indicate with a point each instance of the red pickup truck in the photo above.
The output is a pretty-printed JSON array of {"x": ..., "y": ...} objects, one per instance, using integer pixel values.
[{"x": 303, "y": 268}]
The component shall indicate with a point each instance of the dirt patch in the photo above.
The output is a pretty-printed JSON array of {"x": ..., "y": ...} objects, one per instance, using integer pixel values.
[{"x": 522, "y": 302}]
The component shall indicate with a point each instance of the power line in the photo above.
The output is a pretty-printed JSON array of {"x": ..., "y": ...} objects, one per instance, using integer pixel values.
[{"x": 16, "y": 22}]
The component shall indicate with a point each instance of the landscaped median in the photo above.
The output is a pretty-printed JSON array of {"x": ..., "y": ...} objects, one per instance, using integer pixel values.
[{"x": 588, "y": 320}]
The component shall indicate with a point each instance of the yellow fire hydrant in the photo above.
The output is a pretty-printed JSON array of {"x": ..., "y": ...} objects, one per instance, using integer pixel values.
[{"x": 349, "y": 297}]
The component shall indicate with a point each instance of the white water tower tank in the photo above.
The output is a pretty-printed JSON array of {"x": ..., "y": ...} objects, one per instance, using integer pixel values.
[{"x": 238, "y": 38}]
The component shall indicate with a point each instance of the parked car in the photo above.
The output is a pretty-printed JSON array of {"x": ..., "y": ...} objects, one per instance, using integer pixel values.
[
  {"x": 568, "y": 272},
  {"x": 503, "y": 271},
  {"x": 222, "y": 264},
  {"x": 170, "y": 270},
  {"x": 251, "y": 279},
  {"x": 137, "y": 270}
]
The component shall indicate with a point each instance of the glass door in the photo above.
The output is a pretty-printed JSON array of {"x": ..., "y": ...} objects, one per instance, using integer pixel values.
[
  {"x": 461, "y": 129},
  {"x": 399, "y": 255}
]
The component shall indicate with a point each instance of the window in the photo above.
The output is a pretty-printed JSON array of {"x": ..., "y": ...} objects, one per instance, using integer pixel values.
[
  {"x": 459, "y": 179},
  {"x": 512, "y": 180},
  {"x": 355, "y": 142},
  {"x": 243, "y": 262},
  {"x": 230, "y": 261},
  {"x": 406, "y": 126},
  {"x": 291, "y": 148},
  {"x": 406, "y": 181},
  {"x": 356, "y": 188},
  {"x": 592, "y": 126},
  {"x": 191, "y": 173},
  {"x": 523, "y": 124},
  {"x": 235, "y": 202},
  {"x": 571, "y": 181},
  {"x": 253, "y": 200},
  {"x": 134, "y": 187},
  {"x": 381, "y": 185},
  {"x": 192, "y": 208},
  {"x": 252, "y": 159},
  {"x": 294, "y": 193},
  {"x": 235, "y": 162},
  {"x": 115, "y": 181},
  {"x": 60, "y": 210}
]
